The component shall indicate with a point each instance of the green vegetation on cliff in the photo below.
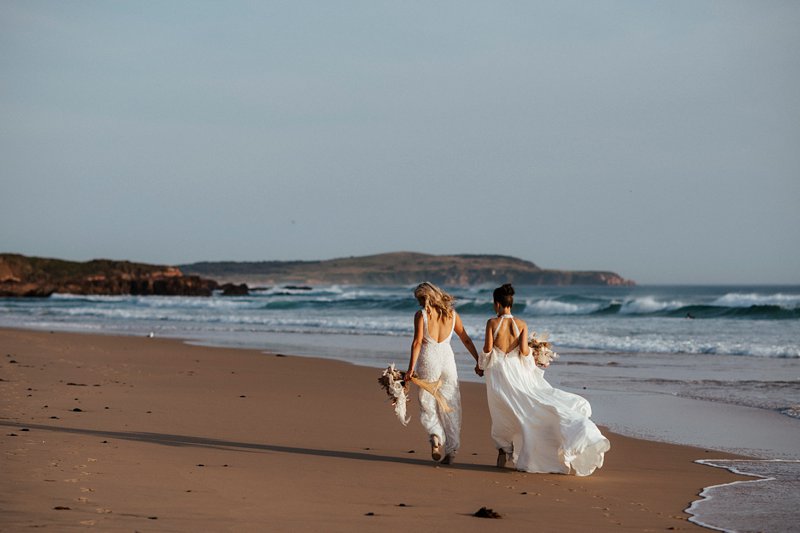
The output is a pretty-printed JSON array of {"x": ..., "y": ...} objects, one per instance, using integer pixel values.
[
  {"x": 37, "y": 276},
  {"x": 401, "y": 268}
]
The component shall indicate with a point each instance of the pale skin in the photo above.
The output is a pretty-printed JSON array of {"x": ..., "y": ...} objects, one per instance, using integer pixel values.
[
  {"x": 506, "y": 340},
  {"x": 438, "y": 328}
]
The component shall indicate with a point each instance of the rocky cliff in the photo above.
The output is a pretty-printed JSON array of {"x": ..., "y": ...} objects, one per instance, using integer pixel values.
[
  {"x": 36, "y": 276},
  {"x": 401, "y": 268}
]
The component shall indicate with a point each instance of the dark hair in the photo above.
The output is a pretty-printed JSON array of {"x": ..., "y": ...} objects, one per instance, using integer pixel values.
[{"x": 504, "y": 295}]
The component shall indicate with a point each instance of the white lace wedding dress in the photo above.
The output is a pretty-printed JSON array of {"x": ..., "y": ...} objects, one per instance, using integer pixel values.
[
  {"x": 541, "y": 428},
  {"x": 437, "y": 361}
]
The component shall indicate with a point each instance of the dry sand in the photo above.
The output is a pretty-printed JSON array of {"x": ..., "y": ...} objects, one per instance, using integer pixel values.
[{"x": 136, "y": 434}]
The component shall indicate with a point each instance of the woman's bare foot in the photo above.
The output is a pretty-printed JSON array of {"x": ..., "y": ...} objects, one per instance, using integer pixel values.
[{"x": 436, "y": 448}]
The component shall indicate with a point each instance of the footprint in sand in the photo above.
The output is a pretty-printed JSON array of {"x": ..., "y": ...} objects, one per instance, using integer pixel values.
[{"x": 88, "y": 522}]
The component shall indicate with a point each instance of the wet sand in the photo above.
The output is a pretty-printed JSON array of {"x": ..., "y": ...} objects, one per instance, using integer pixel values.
[{"x": 122, "y": 433}]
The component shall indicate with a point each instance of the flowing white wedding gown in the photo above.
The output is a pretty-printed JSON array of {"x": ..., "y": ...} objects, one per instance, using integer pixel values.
[{"x": 542, "y": 429}]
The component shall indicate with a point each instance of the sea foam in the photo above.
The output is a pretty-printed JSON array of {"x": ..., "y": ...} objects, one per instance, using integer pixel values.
[
  {"x": 750, "y": 505},
  {"x": 786, "y": 301}
]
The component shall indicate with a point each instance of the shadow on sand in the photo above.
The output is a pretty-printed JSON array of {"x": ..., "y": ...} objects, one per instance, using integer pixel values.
[{"x": 204, "y": 442}]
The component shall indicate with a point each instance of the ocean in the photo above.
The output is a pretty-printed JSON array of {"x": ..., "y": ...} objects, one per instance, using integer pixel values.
[{"x": 711, "y": 366}]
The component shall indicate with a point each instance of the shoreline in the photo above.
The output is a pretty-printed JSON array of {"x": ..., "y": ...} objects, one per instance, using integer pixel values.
[
  {"x": 197, "y": 437},
  {"x": 622, "y": 404},
  {"x": 614, "y": 387}
]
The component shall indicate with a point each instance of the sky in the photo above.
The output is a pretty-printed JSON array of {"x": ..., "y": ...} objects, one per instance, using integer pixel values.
[{"x": 660, "y": 140}]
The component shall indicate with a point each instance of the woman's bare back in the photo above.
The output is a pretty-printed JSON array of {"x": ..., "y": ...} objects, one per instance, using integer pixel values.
[
  {"x": 507, "y": 337},
  {"x": 439, "y": 327}
]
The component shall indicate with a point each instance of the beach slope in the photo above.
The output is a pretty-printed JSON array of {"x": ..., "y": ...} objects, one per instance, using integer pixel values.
[{"x": 123, "y": 433}]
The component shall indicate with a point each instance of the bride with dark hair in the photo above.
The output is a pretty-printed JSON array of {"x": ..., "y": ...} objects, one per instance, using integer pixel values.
[{"x": 538, "y": 427}]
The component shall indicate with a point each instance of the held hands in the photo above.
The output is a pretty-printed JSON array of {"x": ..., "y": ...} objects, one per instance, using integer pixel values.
[
  {"x": 407, "y": 380},
  {"x": 478, "y": 370}
]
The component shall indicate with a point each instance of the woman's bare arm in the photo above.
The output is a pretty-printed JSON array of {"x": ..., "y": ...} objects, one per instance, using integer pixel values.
[
  {"x": 488, "y": 344},
  {"x": 416, "y": 343},
  {"x": 465, "y": 338},
  {"x": 524, "y": 349}
]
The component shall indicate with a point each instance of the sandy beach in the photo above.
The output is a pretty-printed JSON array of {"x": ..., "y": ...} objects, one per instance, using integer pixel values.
[{"x": 127, "y": 433}]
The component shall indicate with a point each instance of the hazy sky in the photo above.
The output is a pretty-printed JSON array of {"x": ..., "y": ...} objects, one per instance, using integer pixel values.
[{"x": 658, "y": 139}]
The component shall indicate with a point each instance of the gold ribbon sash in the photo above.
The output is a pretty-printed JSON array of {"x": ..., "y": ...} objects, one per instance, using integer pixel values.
[{"x": 433, "y": 388}]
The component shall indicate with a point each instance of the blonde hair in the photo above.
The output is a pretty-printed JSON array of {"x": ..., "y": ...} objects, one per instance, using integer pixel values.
[{"x": 430, "y": 296}]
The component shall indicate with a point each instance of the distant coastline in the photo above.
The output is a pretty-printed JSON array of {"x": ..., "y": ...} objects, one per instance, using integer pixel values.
[
  {"x": 401, "y": 268},
  {"x": 24, "y": 276}
]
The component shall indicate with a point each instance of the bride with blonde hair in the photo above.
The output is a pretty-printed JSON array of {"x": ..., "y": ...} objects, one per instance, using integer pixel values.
[{"x": 432, "y": 361}]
